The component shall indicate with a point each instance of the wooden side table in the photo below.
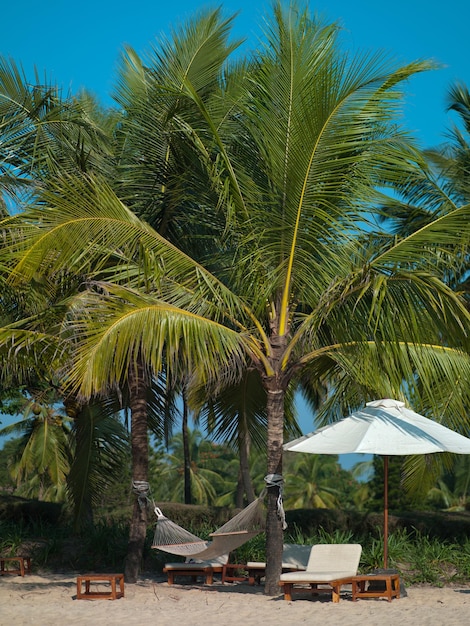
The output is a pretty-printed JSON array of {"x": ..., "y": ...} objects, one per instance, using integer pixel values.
[
  {"x": 362, "y": 588},
  {"x": 23, "y": 567},
  {"x": 112, "y": 594}
]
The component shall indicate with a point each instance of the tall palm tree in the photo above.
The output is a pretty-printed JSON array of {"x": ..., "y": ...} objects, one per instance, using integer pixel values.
[
  {"x": 425, "y": 198},
  {"x": 206, "y": 483},
  {"x": 440, "y": 188},
  {"x": 289, "y": 154},
  {"x": 236, "y": 415},
  {"x": 43, "y": 455},
  {"x": 42, "y": 133}
]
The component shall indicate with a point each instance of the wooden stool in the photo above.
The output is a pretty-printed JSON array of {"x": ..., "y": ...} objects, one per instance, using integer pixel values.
[
  {"x": 100, "y": 578},
  {"x": 24, "y": 565},
  {"x": 391, "y": 587}
]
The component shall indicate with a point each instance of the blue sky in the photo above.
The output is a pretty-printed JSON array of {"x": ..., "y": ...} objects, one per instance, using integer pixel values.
[{"x": 78, "y": 44}]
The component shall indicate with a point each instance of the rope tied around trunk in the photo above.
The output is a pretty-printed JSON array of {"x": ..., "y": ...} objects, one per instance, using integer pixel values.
[
  {"x": 276, "y": 480},
  {"x": 141, "y": 489}
]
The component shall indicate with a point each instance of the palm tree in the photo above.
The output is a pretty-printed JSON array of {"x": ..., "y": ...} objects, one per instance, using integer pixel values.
[
  {"x": 450, "y": 491},
  {"x": 453, "y": 158},
  {"x": 254, "y": 153},
  {"x": 91, "y": 440},
  {"x": 452, "y": 163},
  {"x": 207, "y": 484},
  {"x": 43, "y": 133},
  {"x": 236, "y": 415},
  {"x": 100, "y": 445},
  {"x": 288, "y": 154},
  {"x": 313, "y": 482},
  {"x": 425, "y": 198},
  {"x": 43, "y": 456}
]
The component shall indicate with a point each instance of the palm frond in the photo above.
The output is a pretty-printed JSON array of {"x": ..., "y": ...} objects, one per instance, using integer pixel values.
[
  {"x": 111, "y": 332},
  {"x": 100, "y": 444}
]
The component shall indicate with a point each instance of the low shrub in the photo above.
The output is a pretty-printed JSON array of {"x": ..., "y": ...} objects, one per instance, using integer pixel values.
[{"x": 18, "y": 509}]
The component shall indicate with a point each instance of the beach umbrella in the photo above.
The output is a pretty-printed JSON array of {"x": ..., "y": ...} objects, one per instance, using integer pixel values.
[{"x": 384, "y": 427}]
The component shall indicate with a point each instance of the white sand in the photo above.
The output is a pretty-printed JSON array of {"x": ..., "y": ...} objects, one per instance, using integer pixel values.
[{"x": 51, "y": 599}]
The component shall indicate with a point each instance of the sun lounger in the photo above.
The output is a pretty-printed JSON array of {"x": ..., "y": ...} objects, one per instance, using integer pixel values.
[
  {"x": 330, "y": 565},
  {"x": 194, "y": 569}
]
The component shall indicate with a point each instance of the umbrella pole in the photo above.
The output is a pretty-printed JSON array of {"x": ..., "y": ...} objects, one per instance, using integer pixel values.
[{"x": 385, "y": 511}]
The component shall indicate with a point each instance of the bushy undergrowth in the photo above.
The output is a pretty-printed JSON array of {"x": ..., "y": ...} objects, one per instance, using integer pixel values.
[{"x": 419, "y": 556}]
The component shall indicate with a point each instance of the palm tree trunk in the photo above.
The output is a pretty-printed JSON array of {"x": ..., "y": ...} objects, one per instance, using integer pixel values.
[
  {"x": 188, "y": 498},
  {"x": 139, "y": 451},
  {"x": 274, "y": 530},
  {"x": 244, "y": 444},
  {"x": 240, "y": 492}
]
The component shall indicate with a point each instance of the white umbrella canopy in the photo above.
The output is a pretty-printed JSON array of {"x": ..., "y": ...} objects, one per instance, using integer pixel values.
[{"x": 384, "y": 427}]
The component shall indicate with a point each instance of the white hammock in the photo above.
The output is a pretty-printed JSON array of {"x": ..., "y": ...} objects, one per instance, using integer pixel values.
[{"x": 172, "y": 538}]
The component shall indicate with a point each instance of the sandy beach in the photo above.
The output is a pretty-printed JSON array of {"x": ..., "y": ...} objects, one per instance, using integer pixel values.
[{"x": 46, "y": 599}]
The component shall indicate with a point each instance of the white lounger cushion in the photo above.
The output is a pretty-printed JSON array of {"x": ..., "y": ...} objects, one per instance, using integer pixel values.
[{"x": 316, "y": 577}]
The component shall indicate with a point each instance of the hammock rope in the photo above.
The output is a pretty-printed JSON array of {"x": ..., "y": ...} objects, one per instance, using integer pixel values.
[{"x": 172, "y": 538}]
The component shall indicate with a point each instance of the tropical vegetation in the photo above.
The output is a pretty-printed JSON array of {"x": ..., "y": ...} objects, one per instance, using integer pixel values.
[
  {"x": 419, "y": 555},
  {"x": 222, "y": 221}
]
